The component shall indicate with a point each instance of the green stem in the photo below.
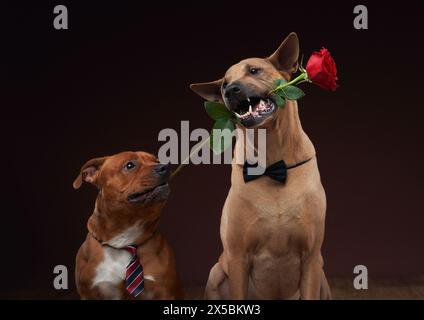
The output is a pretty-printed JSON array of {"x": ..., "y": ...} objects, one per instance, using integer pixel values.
[
  {"x": 304, "y": 80},
  {"x": 300, "y": 78},
  {"x": 191, "y": 153}
]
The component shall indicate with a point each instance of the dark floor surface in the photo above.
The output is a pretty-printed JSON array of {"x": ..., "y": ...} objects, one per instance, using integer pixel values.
[{"x": 342, "y": 289}]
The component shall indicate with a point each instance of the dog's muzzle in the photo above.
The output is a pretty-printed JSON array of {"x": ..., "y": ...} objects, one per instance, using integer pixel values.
[{"x": 252, "y": 109}]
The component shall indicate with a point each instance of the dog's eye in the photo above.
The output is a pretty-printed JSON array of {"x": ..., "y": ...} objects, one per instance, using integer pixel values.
[
  {"x": 253, "y": 70},
  {"x": 129, "y": 165},
  {"x": 224, "y": 85}
]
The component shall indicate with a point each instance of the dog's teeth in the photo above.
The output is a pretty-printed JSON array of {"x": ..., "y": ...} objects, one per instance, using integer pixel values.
[
  {"x": 237, "y": 114},
  {"x": 248, "y": 99},
  {"x": 250, "y": 109}
]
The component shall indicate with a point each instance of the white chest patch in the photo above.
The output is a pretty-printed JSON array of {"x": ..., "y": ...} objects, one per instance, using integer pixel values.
[
  {"x": 126, "y": 237},
  {"x": 149, "y": 277},
  {"x": 113, "y": 267}
]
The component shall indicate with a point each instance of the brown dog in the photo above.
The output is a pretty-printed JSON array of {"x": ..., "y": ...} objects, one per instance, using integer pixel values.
[
  {"x": 133, "y": 189},
  {"x": 271, "y": 231}
]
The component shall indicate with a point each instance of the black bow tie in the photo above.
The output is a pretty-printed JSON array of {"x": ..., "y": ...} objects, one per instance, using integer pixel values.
[{"x": 276, "y": 171}]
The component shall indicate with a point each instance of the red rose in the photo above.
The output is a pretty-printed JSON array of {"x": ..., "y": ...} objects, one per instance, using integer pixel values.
[{"x": 322, "y": 70}]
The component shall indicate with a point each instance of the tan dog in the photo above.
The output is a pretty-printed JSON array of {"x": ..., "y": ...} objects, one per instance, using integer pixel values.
[
  {"x": 271, "y": 232},
  {"x": 133, "y": 189}
]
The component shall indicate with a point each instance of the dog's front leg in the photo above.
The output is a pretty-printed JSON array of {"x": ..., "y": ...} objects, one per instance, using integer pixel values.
[
  {"x": 310, "y": 281},
  {"x": 238, "y": 276}
]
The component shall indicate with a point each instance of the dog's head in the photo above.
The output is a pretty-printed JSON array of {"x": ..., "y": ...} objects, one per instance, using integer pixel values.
[
  {"x": 128, "y": 180},
  {"x": 245, "y": 86}
]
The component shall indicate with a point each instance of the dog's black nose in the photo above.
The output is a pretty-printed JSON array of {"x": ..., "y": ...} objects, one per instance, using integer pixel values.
[
  {"x": 162, "y": 169},
  {"x": 232, "y": 91}
]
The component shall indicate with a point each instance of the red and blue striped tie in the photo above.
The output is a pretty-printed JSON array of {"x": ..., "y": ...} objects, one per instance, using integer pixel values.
[{"x": 134, "y": 277}]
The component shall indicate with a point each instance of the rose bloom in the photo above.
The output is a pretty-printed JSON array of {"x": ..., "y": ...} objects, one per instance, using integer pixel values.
[{"x": 322, "y": 70}]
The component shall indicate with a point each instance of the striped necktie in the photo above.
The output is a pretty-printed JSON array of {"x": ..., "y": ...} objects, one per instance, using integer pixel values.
[{"x": 134, "y": 277}]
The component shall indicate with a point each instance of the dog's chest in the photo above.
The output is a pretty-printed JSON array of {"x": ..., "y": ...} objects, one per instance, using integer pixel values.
[
  {"x": 281, "y": 232},
  {"x": 273, "y": 221},
  {"x": 110, "y": 273},
  {"x": 113, "y": 267}
]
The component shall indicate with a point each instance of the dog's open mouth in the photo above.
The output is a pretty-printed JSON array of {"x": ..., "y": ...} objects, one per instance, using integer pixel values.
[
  {"x": 254, "y": 110},
  {"x": 149, "y": 194}
]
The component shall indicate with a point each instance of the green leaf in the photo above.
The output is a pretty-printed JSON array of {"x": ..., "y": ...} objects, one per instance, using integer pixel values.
[
  {"x": 279, "y": 100},
  {"x": 217, "y": 111},
  {"x": 293, "y": 92},
  {"x": 224, "y": 138}
]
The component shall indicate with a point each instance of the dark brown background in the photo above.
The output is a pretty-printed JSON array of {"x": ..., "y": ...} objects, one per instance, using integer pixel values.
[{"x": 120, "y": 74}]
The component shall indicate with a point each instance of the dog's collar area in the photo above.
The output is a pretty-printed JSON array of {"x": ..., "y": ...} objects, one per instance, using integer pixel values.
[
  {"x": 276, "y": 171},
  {"x": 97, "y": 239},
  {"x": 103, "y": 243},
  {"x": 136, "y": 245}
]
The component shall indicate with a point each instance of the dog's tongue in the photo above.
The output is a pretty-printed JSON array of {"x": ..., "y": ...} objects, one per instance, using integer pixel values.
[
  {"x": 262, "y": 105},
  {"x": 259, "y": 107}
]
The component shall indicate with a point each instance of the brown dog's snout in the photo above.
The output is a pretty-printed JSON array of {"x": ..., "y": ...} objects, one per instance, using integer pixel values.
[
  {"x": 234, "y": 94},
  {"x": 232, "y": 90},
  {"x": 163, "y": 170}
]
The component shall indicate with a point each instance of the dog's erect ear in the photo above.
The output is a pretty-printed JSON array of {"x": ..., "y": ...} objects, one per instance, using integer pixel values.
[
  {"x": 210, "y": 91},
  {"x": 286, "y": 57},
  {"x": 89, "y": 171}
]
